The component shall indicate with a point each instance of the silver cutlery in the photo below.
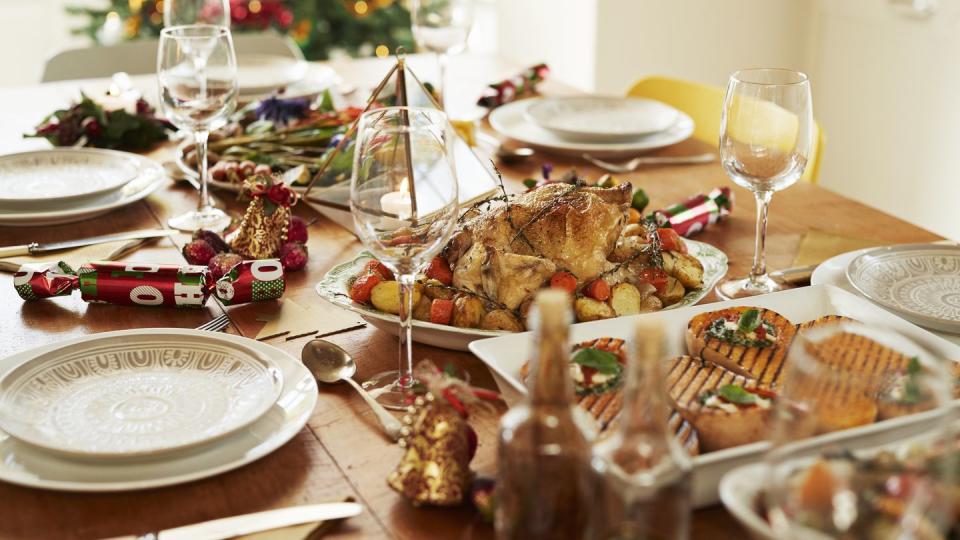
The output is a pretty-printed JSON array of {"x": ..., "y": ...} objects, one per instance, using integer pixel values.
[
  {"x": 253, "y": 523},
  {"x": 331, "y": 364},
  {"x": 35, "y": 248},
  {"x": 215, "y": 325},
  {"x": 799, "y": 275},
  {"x": 638, "y": 162}
]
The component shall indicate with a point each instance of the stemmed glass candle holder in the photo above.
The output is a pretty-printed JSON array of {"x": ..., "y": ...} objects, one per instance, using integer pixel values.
[
  {"x": 404, "y": 201},
  {"x": 766, "y": 136},
  {"x": 197, "y": 75}
]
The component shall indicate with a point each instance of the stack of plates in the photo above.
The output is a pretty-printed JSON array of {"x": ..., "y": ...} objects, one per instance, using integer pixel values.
[
  {"x": 260, "y": 75},
  {"x": 592, "y": 124},
  {"x": 146, "y": 408},
  {"x": 62, "y": 185}
]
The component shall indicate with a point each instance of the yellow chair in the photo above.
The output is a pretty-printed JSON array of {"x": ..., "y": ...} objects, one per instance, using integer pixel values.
[{"x": 704, "y": 104}]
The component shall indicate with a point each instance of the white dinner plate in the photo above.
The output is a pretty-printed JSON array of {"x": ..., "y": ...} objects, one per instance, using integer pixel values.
[
  {"x": 27, "y": 465},
  {"x": 137, "y": 395},
  {"x": 506, "y": 354},
  {"x": 335, "y": 285},
  {"x": 263, "y": 73},
  {"x": 920, "y": 282},
  {"x": 150, "y": 176},
  {"x": 511, "y": 121},
  {"x": 601, "y": 118},
  {"x": 317, "y": 79},
  {"x": 32, "y": 179}
]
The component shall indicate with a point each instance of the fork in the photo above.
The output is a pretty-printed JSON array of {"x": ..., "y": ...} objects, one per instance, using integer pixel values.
[
  {"x": 215, "y": 325},
  {"x": 636, "y": 162}
]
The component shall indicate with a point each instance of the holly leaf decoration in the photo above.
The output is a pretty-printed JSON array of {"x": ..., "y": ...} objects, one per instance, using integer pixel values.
[{"x": 602, "y": 361}]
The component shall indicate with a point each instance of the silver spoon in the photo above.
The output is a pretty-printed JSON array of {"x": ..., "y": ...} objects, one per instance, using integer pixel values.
[
  {"x": 637, "y": 162},
  {"x": 330, "y": 364},
  {"x": 514, "y": 155}
]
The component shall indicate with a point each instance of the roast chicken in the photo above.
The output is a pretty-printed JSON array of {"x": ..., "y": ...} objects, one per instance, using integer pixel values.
[{"x": 507, "y": 253}]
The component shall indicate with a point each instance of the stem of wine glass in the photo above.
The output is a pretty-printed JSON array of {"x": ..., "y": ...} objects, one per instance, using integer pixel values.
[
  {"x": 759, "y": 253},
  {"x": 201, "y": 139},
  {"x": 442, "y": 61},
  {"x": 407, "y": 282}
]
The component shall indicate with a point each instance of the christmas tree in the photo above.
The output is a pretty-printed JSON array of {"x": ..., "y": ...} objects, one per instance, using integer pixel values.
[{"x": 320, "y": 27}]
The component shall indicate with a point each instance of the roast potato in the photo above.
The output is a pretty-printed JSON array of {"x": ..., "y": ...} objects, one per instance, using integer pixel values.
[
  {"x": 672, "y": 293},
  {"x": 385, "y": 296},
  {"x": 633, "y": 229},
  {"x": 421, "y": 310},
  {"x": 501, "y": 319},
  {"x": 650, "y": 303},
  {"x": 625, "y": 299},
  {"x": 686, "y": 268},
  {"x": 588, "y": 309},
  {"x": 434, "y": 290},
  {"x": 468, "y": 311}
]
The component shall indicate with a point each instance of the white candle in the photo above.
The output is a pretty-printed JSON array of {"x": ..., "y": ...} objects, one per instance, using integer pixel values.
[{"x": 397, "y": 203}]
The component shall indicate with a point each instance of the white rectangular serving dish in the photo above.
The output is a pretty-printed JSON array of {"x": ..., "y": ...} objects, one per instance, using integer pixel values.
[{"x": 506, "y": 354}]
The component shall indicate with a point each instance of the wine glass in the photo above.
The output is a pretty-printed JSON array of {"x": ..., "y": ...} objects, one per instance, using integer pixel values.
[
  {"x": 197, "y": 75},
  {"x": 442, "y": 27},
  {"x": 404, "y": 201},
  {"x": 766, "y": 135},
  {"x": 183, "y": 12},
  {"x": 842, "y": 485}
]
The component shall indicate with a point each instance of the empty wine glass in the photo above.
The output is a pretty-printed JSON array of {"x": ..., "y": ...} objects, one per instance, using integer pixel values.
[
  {"x": 442, "y": 27},
  {"x": 183, "y": 12},
  {"x": 197, "y": 75},
  {"x": 404, "y": 201},
  {"x": 766, "y": 135},
  {"x": 840, "y": 485}
]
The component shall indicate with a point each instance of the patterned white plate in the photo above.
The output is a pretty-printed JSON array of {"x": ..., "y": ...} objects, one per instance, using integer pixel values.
[
  {"x": 920, "y": 282},
  {"x": 599, "y": 118},
  {"x": 137, "y": 395},
  {"x": 43, "y": 176},
  {"x": 335, "y": 284},
  {"x": 27, "y": 465},
  {"x": 260, "y": 73},
  {"x": 150, "y": 176}
]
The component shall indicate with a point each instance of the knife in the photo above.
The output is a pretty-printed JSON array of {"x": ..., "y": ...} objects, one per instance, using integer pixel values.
[
  {"x": 36, "y": 248},
  {"x": 799, "y": 275},
  {"x": 253, "y": 523}
]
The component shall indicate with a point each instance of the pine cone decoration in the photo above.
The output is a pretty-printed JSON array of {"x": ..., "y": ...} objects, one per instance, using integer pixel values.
[{"x": 266, "y": 221}]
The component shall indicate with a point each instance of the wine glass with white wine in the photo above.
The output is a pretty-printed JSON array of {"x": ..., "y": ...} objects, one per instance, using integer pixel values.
[
  {"x": 766, "y": 137},
  {"x": 197, "y": 75}
]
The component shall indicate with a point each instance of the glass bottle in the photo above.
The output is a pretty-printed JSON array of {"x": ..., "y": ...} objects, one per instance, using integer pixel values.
[
  {"x": 543, "y": 480},
  {"x": 641, "y": 473}
]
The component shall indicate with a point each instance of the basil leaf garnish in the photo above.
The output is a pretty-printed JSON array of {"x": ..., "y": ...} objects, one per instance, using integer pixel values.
[
  {"x": 736, "y": 394},
  {"x": 749, "y": 321},
  {"x": 602, "y": 361}
]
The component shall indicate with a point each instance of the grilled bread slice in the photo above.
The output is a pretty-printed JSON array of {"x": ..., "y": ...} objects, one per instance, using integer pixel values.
[
  {"x": 824, "y": 321},
  {"x": 756, "y": 354},
  {"x": 690, "y": 384}
]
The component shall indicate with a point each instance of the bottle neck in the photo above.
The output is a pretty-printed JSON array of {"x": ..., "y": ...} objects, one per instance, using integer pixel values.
[
  {"x": 551, "y": 383},
  {"x": 644, "y": 430}
]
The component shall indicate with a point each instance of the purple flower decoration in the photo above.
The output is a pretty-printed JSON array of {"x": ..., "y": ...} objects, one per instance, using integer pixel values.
[
  {"x": 282, "y": 111},
  {"x": 546, "y": 169}
]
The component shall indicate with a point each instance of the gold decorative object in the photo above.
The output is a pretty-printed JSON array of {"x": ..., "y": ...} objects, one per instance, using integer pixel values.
[{"x": 267, "y": 219}]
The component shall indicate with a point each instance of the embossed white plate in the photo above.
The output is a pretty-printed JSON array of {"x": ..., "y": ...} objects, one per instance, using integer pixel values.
[
  {"x": 335, "y": 284},
  {"x": 39, "y": 177},
  {"x": 27, "y": 465},
  {"x": 150, "y": 176},
  {"x": 920, "y": 282},
  {"x": 600, "y": 118},
  {"x": 137, "y": 395}
]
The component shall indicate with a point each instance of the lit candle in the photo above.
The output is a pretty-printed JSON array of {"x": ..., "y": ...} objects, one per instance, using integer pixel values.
[{"x": 397, "y": 203}]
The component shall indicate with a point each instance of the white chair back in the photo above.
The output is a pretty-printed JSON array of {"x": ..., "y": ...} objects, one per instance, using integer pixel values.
[{"x": 140, "y": 57}]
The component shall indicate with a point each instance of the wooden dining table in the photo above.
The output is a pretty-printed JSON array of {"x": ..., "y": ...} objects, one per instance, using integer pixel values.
[{"x": 342, "y": 453}]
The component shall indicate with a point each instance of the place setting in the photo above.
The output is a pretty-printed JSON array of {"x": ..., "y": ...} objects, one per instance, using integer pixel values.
[{"x": 423, "y": 302}]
